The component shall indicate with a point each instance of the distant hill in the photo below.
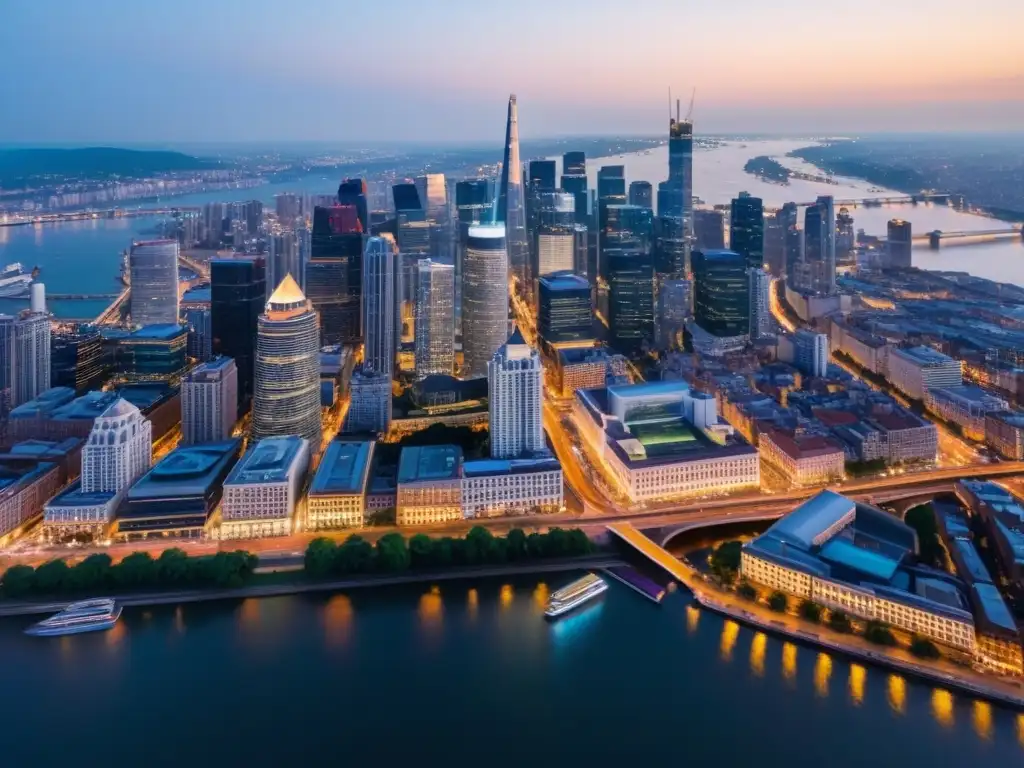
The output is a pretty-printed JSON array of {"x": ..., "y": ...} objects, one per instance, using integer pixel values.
[{"x": 25, "y": 167}]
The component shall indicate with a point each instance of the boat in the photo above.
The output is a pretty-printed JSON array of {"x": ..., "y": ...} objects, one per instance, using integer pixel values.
[
  {"x": 574, "y": 595},
  {"x": 14, "y": 282},
  {"x": 84, "y": 616}
]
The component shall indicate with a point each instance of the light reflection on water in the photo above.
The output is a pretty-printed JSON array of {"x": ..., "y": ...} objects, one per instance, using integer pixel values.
[
  {"x": 857, "y": 681},
  {"x": 506, "y": 596},
  {"x": 942, "y": 707},
  {"x": 338, "y": 616},
  {"x": 822, "y": 674},
  {"x": 472, "y": 604},
  {"x": 730, "y": 631},
  {"x": 789, "y": 663},
  {"x": 757, "y": 646},
  {"x": 567, "y": 630},
  {"x": 540, "y": 595},
  {"x": 983, "y": 720},
  {"x": 692, "y": 619},
  {"x": 431, "y": 610},
  {"x": 897, "y": 694}
]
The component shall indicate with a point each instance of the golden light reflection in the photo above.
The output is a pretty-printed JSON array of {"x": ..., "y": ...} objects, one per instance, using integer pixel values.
[
  {"x": 472, "y": 603},
  {"x": 179, "y": 620},
  {"x": 757, "y": 647},
  {"x": 897, "y": 694},
  {"x": 730, "y": 631},
  {"x": 857, "y": 676},
  {"x": 506, "y": 596},
  {"x": 822, "y": 674},
  {"x": 431, "y": 609},
  {"x": 338, "y": 615},
  {"x": 983, "y": 720},
  {"x": 116, "y": 634},
  {"x": 789, "y": 661},
  {"x": 65, "y": 646},
  {"x": 1020, "y": 729},
  {"x": 942, "y": 707},
  {"x": 249, "y": 612},
  {"x": 540, "y": 596},
  {"x": 692, "y": 619}
]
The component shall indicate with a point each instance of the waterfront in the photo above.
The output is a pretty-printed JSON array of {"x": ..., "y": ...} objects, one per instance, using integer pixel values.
[{"x": 471, "y": 669}]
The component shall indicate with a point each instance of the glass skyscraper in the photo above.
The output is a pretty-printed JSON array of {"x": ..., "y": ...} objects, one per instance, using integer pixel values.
[
  {"x": 334, "y": 274},
  {"x": 238, "y": 292},
  {"x": 746, "y": 229},
  {"x": 154, "y": 274},
  {"x": 435, "y": 318},
  {"x": 511, "y": 196},
  {"x": 379, "y": 305},
  {"x": 484, "y": 297},
  {"x": 721, "y": 295},
  {"x": 629, "y": 264},
  {"x": 564, "y": 310},
  {"x": 640, "y": 193},
  {"x": 574, "y": 181}
]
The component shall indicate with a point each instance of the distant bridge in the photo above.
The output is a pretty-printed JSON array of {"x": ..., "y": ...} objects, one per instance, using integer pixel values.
[
  {"x": 82, "y": 296},
  {"x": 940, "y": 198},
  {"x": 22, "y": 220},
  {"x": 937, "y": 237}
]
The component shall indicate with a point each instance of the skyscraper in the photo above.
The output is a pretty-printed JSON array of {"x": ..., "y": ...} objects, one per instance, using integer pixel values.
[
  {"x": 334, "y": 273},
  {"x": 574, "y": 163},
  {"x": 283, "y": 257},
  {"x": 542, "y": 175},
  {"x": 24, "y": 356},
  {"x": 564, "y": 310},
  {"x": 484, "y": 296},
  {"x": 708, "y": 229},
  {"x": 209, "y": 402},
  {"x": 511, "y": 196},
  {"x": 846, "y": 239},
  {"x": 820, "y": 247},
  {"x": 641, "y": 193},
  {"x": 760, "y": 311},
  {"x": 774, "y": 245},
  {"x": 746, "y": 229},
  {"x": 574, "y": 181},
  {"x": 514, "y": 384},
  {"x": 900, "y": 242},
  {"x": 370, "y": 402},
  {"x": 287, "y": 396},
  {"x": 379, "y": 305},
  {"x": 721, "y": 293},
  {"x": 153, "y": 265},
  {"x": 629, "y": 263},
  {"x": 237, "y": 295},
  {"x": 76, "y": 358},
  {"x": 611, "y": 190},
  {"x": 352, "y": 192},
  {"x": 555, "y": 233},
  {"x": 433, "y": 196},
  {"x": 435, "y": 318},
  {"x": 675, "y": 200},
  {"x": 675, "y": 302}
]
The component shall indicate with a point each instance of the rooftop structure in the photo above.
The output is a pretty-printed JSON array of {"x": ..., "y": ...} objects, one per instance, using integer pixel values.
[
  {"x": 429, "y": 462},
  {"x": 261, "y": 493},
  {"x": 337, "y": 495},
  {"x": 429, "y": 485}
]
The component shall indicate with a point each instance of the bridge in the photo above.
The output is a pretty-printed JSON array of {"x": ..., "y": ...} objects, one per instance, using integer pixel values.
[
  {"x": 24, "y": 220},
  {"x": 937, "y": 237},
  {"x": 81, "y": 296},
  {"x": 940, "y": 198}
]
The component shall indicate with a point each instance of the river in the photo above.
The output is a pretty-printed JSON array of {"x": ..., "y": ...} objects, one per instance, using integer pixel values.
[{"x": 471, "y": 673}]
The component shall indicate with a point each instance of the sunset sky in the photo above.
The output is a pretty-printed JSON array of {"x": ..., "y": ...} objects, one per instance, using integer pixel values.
[{"x": 352, "y": 70}]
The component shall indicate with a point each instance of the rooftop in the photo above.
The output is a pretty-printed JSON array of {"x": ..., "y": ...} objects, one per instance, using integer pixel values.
[
  {"x": 187, "y": 471},
  {"x": 286, "y": 294},
  {"x": 429, "y": 462},
  {"x": 925, "y": 356},
  {"x": 159, "y": 332},
  {"x": 344, "y": 469},
  {"x": 210, "y": 370},
  {"x": 486, "y": 467},
  {"x": 15, "y": 474},
  {"x": 1013, "y": 418},
  {"x": 813, "y": 518},
  {"x": 271, "y": 460},
  {"x": 804, "y": 446},
  {"x": 46, "y": 402},
  {"x": 970, "y": 393},
  {"x": 72, "y": 496},
  {"x": 565, "y": 281}
]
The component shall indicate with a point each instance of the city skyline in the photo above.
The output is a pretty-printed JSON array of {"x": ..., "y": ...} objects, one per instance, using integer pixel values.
[{"x": 781, "y": 71}]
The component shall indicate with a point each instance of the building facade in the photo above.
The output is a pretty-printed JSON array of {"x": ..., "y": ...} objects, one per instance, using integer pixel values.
[
  {"x": 966, "y": 406},
  {"x": 379, "y": 305},
  {"x": 491, "y": 487},
  {"x": 746, "y": 229},
  {"x": 803, "y": 460},
  {"x": 209, "y": 402},
  {"x": 429, "y": 485},
  {"x": 370, "y": 402},
  {"x": 565, "y": 314},
  {"x": 337, "y": 495},
  {"x": 515, "y": 393},
  {"x": 334, "y": 275},
  {"x": 435, "y": 318},
  {"x": 153, "y": 265},
  {"x": 263, "y": 490},
  {"x": 760, "y": 310},
  {"x": 916, "y": 370},
  {"x": 25, "y": 356},
  {"x": 238, "y": 294},
  {"x": 484, "y": 297},
  {"x": 1004, "y": 431},
  {"x": 721, "y": 296}
]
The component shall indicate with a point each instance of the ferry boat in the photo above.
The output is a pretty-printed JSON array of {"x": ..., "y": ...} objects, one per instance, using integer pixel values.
[
  {"x": 85, "y": 616},
  {"x": 14, "y": 282},
  {"x": 576, "y": 594}
]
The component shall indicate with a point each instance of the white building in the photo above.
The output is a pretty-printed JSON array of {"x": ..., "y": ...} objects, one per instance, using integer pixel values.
[
  {"x": 24, "y": 355},
  {"x": 916, "y": 370},
  {"x": 435, "y": 318},
  {"x": 154, "y": 274},
  {"x": 760, "y": 310},
  {"x": 209, "y": 402},
  {"x": 511, "y": 487},
  {"x": 806, "y": 350},
  {"x": 484, "y": 296},
  {"x": 515, "y": 378},
  {"x": 804, "y": 460},
  {"x": 369, "y": 402},
  {"x": 337, "y": 495},
  {"x": 263, "y": 489},
  {"x": 378, "y": 305},
  {"x": 965, "y": 405}
]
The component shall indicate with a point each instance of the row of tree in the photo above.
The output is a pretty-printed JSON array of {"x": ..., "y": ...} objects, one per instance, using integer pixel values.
[
  {"x": 97, "y": 574},
  {"x": 393, "y": 553}
]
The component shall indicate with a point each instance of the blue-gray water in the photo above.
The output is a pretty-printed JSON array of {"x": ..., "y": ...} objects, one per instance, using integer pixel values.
[{"x": 470, "y": 674}]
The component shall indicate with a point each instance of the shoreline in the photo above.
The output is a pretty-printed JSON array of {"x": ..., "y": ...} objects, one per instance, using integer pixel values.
[{"x": 141, "y": 600}]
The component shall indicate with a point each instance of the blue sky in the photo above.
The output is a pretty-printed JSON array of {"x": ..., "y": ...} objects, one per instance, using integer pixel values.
[{"x": 110, "y": 71}]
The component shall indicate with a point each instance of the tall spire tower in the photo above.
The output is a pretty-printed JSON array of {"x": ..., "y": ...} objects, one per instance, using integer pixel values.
[{"x": 511, "y": 197}]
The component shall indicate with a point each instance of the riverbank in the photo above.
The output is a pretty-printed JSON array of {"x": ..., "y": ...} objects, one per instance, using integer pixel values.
[{"x": 300, "y": 585}]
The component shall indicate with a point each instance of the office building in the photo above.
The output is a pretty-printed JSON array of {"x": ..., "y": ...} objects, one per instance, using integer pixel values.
[
  {"x": 433, "y": 195},
  {"x": 287, "y": 391},
  {"x": 542, "y": 175},
  {"x": 153, "y": 265},
  {"x": 378, "y": 305},
  {"x": 721, "y": 293},
  {"x": 177, "y": 497},
  {"x": 238, "y": 294},
  {"x": 555, "y": 235},
  {"x": 588, "y": 368},
  {"x": 352, "y": 196},
  {"x": 264, "y": 488},
  {"x": 760, "y": 310},
  {"x": 209, "y": 402},
  {"x": 25, "y": 483},
  {"x": 1001, "y": 514},
  {"x": 746, "y": 229},
  {"x": 435, "y": 318},
  {"x": 675, "y": 200},
  {"x": 429, "y": 485},
  {"x": 774, "y": 245},
  {"x": 1004, "y": 431},
  {"x": 628, "y": 262},
  {"x": 807, "y": 351},
  {"x": 515, "y": 392},
  {"x": 474, "y": 200},
  {"x": 857, "y": 559},
  {"x": 369, "y": 402},
  {"x": 915, "y": 370},
  {"x": 660, "y": 440},
  {"x": 493, "y": 487},
  {"x": 154, "y": 354},
  {"x": 708, "y": 229},
  {"x": 334, "y": 275},
  {"x": 484, "y": 297},
  {"x": 574, "y": 181},
  {"x": 283, "y": 257},
  {"x": 611, "y": 191},
  {"x": 76, "y": 358},
  {"x": 25, "y": 356},
  {"x": 898, "y": 244},
  {"x": 511, "y": 196},
  {"x": 846, "y": 238},
  {"x": 565, "y": 314},
  {"x": 965, "y": 405},
  {"x": 288, "y": 207},
  {"x": 675, "y": 308},
  {"x": 803, "y": 459},
  {"x": 820, "y": 248},
  {"x": 337, "y": 495},
  {"x": 641, "y": 193}
]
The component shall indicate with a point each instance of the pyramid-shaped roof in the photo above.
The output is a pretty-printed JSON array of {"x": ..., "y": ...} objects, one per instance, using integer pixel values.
[
  {"x": 287, "y": 293},
  {"x": 119, "y": 407},
  {"x": 516, "y": 338}
]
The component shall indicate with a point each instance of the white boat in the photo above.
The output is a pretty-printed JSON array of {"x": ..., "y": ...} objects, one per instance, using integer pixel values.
[
  {"x": 84, "y": 616},
  {"x": 14, "y": 282},
  {"x": 576, "y": 594}
]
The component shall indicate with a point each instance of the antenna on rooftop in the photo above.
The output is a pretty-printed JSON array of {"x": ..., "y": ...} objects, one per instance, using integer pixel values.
[{"x": 689, "y": 112}]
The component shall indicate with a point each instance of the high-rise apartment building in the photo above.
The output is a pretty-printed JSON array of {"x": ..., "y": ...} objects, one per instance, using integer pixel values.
[
  {"x": 820, "y": 247},
  {"x": 900, "y": 242},
  {"x": 721, "y": 293},
  {"x": 334, "y": 274},
  {"x": 435, "y": 318},
  {"x": 238, "y": 293},
  {"x": 514, "y": 382},
  {"x": 511, "y": 196},
  {"x": 25, "y": 351},
  {"x": 153, "y": 265},
  {"x": 760, "y": 310},
  {"x": 379, "y": 305},
  {"x": 209, "y": 402},
  {"x": 287, "y": 391},
  {"x": 746, "y": 229},
  {"x": 484, "y": 296}
]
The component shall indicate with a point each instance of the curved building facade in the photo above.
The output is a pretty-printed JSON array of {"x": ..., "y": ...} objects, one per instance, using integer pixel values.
[
  {"x": 484, "y": 297},
  {"x": 287, "y": 392},
  {"x": 154, "y": 275}
]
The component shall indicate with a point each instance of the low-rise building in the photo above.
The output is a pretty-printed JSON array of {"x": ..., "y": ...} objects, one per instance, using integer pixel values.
[
  {"x": 338, "y": 494},
  {"x": 25, "y": 486},
  {"x": 966, "y": 405},
  {"x": 588, "y": 368},
  {"x": 1002, "y": 515},
  {"x": 803, "y": 459},
  {"x": 916, "y": 370},
  {"x": 264, "y": 489},
  {"x": 1004, "y": 432},
  {"x": 493, "y": 487},
  {"x": 429, "y": 485}
]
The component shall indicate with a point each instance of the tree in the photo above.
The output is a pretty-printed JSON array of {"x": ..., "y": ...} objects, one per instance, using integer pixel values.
[
  {"x": 354, "y": 556},
  {"x": 51, "y": 577},
  {"x": 878, "y": 632},
  {"x": 556, "y": 543},
  {"x": 810, "y": 611},
  {"x": 478, "y": 545},
  {"x": 421, "y": 551},
  {"x": 747, "y": 591},
  {"x": 579, "y": 543},
  {"x": 839, "y": 621},
  {"x": 778, "y": 602},
  {"x": 92, "y": 573},
  {"x": 536, "y": 546},
  {"x": 392, "y": 553},
  {"x": 516, "y": 541},
  {"x": 924, "y": 648},
  {"x": 444, "y": 554},
  {"x": 320, "y": 557},
  {"x": 726, "y": 557},
  {"x": 139, "y": 570},
  {"x": 18, "y": 581},
  {"x": 172, "y": 568}
]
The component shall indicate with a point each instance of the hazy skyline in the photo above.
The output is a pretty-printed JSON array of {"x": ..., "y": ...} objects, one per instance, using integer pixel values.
[{"x": 111, "y": 71}]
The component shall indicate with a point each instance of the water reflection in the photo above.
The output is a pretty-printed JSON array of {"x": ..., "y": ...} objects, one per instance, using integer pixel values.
[
  {"x": 730, "y": 631},
  {"x": 431, "y": 609},
  {"x": 179, "y": 620},
  {"x": 757, "y": 647},
  {"x": 540, "y": 596},
  {"x": 506, "y": 596},
  {"x": 857, "y": 678},
  {"x": 1020, "y": 729},
  {"x": 338, "y": 615},
  {"x": 692, "y": 619},
  {"x": 568, "y": 630},
  {"x": 789, "y": 662},
  {"x": 249, "y": 613},
  {"x": 942, "y": 707},
  {"x": 897, "y": 694},
  {"x": 116, "y": 634},
  {"x": 472, "y": 603},
  {"x": 983, "y": 720},
  {"x": 822, "y": 674}
]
